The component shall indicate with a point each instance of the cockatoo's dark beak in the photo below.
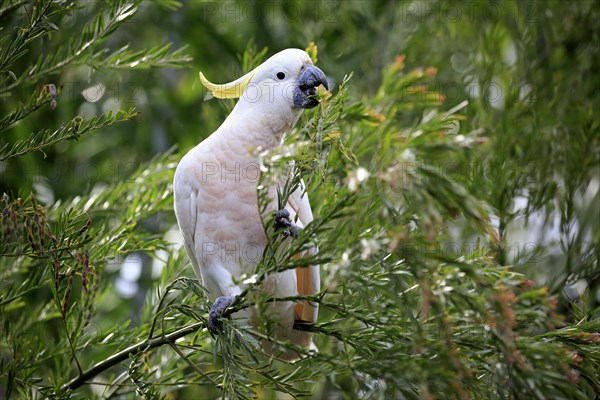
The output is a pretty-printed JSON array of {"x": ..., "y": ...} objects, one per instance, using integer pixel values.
[{"x": 308, "y": 82}]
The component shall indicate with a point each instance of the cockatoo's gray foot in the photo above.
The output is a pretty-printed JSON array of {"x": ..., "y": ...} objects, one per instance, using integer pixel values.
[
  {"x": 214, "y": 325},
  {"x": 283, "y": 222}
]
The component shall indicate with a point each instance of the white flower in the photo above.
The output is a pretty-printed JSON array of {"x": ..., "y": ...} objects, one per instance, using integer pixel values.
[
  {"x": 369, "y": 247},
  {"x": 356, "y": 177},
  {"x": 408, "y": 155}
]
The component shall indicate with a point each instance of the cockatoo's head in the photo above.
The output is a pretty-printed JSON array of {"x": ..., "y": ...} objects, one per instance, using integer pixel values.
[{"x": 287, "y": 80}]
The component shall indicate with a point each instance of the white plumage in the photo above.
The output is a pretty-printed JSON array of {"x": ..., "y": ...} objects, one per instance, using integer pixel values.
[{"x": 215, "y": 190}]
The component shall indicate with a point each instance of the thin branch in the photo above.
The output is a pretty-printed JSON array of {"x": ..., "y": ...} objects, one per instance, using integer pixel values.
[
  {"x": 123, "y": 355},
  {"x": 73, "y": 129},
  {"x": 24, "y": 36},
  {"x": 169, "y": 339},
  {"x": 103, "y": 26},
  {"x": 72, "y": 348}
]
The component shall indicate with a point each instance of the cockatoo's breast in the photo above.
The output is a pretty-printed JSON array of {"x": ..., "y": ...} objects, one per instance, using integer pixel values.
[{"x": 229, "y": 232}]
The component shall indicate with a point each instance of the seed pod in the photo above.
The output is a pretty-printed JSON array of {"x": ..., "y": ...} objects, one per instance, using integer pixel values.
[
  {"x": 56, "y": 266},
  {"x": 51, "y": 88},
  {"x": 85, "y": 227},
  {"x": 84, "y": 273},
  {"x": 68, "y": 294}
]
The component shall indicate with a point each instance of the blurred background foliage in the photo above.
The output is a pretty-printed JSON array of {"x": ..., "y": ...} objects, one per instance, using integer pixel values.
[{"x": 455, "y": 179}]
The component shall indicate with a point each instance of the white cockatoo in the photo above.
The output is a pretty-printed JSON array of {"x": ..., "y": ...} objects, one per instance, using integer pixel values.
[{"x": 216, "y": 201}]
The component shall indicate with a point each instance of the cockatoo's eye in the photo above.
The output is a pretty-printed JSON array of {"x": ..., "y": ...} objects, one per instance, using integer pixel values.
[{"x": 280, "y": 76}]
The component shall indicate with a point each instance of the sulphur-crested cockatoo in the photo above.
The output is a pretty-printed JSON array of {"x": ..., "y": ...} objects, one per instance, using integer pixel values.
[{"x": 216, "y": 202}]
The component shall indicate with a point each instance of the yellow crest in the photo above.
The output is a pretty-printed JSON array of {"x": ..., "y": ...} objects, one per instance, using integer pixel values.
[{"x": 229, "y": 90}]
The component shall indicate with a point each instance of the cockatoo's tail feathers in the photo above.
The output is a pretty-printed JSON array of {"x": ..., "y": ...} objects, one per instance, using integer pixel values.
[{"x": 229, "y": 90}]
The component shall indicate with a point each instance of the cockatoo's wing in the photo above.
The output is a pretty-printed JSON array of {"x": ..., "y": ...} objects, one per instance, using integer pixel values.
[
  {"x": 308, "y": 279},
  {"x": 186, "y": 213}
]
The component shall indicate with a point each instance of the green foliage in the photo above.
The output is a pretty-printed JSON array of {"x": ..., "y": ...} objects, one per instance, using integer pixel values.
[
  {"x": 70, "y": 130},
  {"x": 421, "y": 182}
]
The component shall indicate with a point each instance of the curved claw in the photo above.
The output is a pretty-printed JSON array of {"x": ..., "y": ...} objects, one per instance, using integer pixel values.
[
  {"x": 294, "y": 231},
  {"x": 216, "y": 311},
  {"x": 283, "y": 221}
]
